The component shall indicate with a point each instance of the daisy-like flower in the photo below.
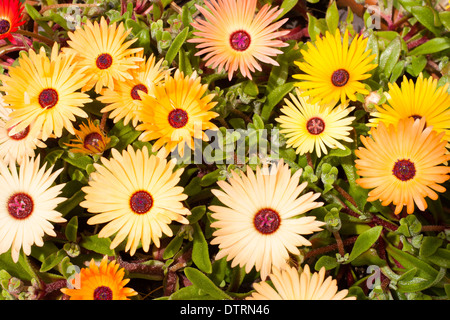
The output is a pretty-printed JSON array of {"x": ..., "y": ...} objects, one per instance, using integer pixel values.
[
  {"x": 44, "y": 91},
  {"x": 18, "y": 146},
  {"x": 104, "y": 282},
  {"x": 137, "y": 196},
  {"x": 177, "y": 113},
  {"x": 288, "y": 284},
  {"x": 422, "y": 99},
  {"x": 90, "y": 139},
  {"x": 101, "y": 50},
  {"x": 28, "y": 205},
  {"x": 333, "y": 70},
  {"x": 401, "y": 164},
  {"x": 311, "y": 127},
  {"x": 10, "y": 18},
  {"x": 125, "y": 100},
  {"x": 233, "y": 37},
  {"x": 261, "y": 221}
]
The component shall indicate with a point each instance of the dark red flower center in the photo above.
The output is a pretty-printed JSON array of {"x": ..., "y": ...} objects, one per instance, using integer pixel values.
[
  {"x": 315, "y": 126},
  {"x": 20, "y": 205},
  {"x": 178, "y": 118},
  {"x": 48, "y": 98},
  {"x": 93, "y": 139},
  {"x": 266, "y": 221},
  {"x": 20, "y": 135},
  {"x": 103, "y": 293},
  {"x": 141, "y": 202},
  {"x": 104, "y": 61},
  {"x": 404, "y": 170},
  {"x": 240, "y": 40},
  {"x": 5, "y": 25},
  {"x": 340, "y": 77},
  {"x": 136, "y": 88}
]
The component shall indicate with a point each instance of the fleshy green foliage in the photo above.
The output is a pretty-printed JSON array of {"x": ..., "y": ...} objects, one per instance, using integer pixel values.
[{"x": 410, "y": 252}]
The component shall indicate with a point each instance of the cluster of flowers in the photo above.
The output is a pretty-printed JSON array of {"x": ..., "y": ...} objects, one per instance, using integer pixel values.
[{"x": 136, "y": 193}]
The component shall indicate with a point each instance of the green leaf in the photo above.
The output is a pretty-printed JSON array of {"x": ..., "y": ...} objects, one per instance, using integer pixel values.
[
  {"x": 176, "y": 45},
  {"x": 196, "y": 214},
  {"x": 332, "y": 17},
  {"x": 71, "y": 229},
  {"x": 65, "y": 207},
  {"x": 431, "y": 46},
  {"x": 200, "y": 253},
  {"x": 426, "y": 16},
  {"x": 364, "y": 242},
  {"x": 440, "y": 258},
  {"x": 326, "y": 262},
  {"x": 390, "y": 56},
  {"x": 53, "y": 156},
  {"x": 444, "y": 16},
  {"x": 274, "y": 97},
  {"x": 173, "y": 247},
  {"x": 313, "y": 29},
  {"x": 201, "y": 281},
  {"x": 32, "y": 12},
  {"x": 77, "y": 159},
  {"x": 20, "y": 269},
  {"x": 144, "y": 39},
  {"x": 52, "y": 260},
  {"x": 429, "y": 246},
  {"x": 190, "y": 293},
  {"x": 96, "y": 244},
  {"x": 418, "y": 63},
  {"x": 287, "y": 5}
]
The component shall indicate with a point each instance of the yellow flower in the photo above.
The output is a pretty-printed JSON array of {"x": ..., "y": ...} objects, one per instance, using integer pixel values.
[
  {"x": 18, "y": 146},
  {"x": 177, "y": 113},
  {"x": 401, "y": 164},
  {"x": 43, "y": 91},
  {"x": 288, "y": 284},
  {"x": 102, "y": 52},
  {"x": 104, "y": 282},
  {"x": 333, "y": 70},
  {"x": 124, "y": 101},
  {"x": 137, "y": 196},
  {"x": 262, "y": 219},
  {"x": 420, "y": 100},
  {"x": 310, "y": 127},
  {"x": 233, "y": 37},
  {"x": 90, "y": 139},
  {"x": 29, "y": 200}
]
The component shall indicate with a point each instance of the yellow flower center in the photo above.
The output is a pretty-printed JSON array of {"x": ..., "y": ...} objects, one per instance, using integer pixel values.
[
  {"x": 103, "y": 293},
  {"x": 340, "y": 77},
  {"x": 20, "y": 205},
  {"x": 178, "y": 118},
  {"x": 141, "y": 202},
  {"x": 48, "y": 98},
  {"x": 404, "y": 170},
  {"x": 20, "y": 135},
  {"x": 104, "y": 61},
  {"x": 136, "y": 88},
  {"x": 266, "y": 221},
  {"x": 240, "y": 40},
  {"x": 315, "y": 126}
]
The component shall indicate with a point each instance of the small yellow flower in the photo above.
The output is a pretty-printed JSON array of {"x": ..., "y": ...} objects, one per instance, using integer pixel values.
[{"x": 90, "y": 139}]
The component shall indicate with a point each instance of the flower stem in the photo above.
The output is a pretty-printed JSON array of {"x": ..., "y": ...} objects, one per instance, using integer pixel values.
[{"x": 36, "y": 36}]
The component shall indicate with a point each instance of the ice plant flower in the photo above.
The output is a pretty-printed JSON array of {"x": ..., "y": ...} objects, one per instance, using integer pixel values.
[
  {"x": 310, "y": 127},
  {"x": 262, "y": 218},
  {"x": 29, "y": 203},
  {"x": 178, "y": 112},
  {"x": 44, "y": 91},
  {"x": 101, "y": 50},
  {"x": 18, "y": 146},
  {"x": 90, "y": 139},
  {"x": 401, "y": 164},
  {"x": 11, "y": 18},
  {"x": 232, "y": 37},
  {"x": 104, "y": 282},
  {"x": 416, "y": 100},
  {"x": 124, "y": 101},
  {"x": 137, "y": 196},
  {"x": 333, "y": 69},
  {"x": 289, "y": 284}
]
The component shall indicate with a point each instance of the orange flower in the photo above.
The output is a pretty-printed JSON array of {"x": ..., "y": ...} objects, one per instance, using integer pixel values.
[{"x": 233, "y": 37}]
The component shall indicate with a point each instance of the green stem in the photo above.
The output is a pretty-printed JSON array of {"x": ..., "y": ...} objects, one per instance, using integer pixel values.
[{"x": 36, "y": 36}]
